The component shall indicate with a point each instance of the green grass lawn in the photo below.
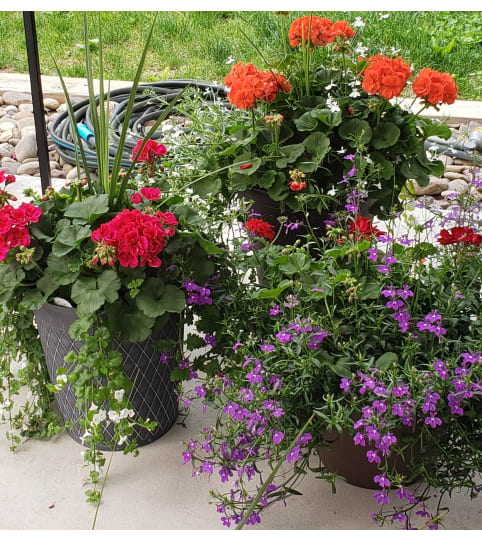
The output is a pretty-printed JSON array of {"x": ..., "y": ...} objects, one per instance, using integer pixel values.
[{"x": 197, "y": 44}]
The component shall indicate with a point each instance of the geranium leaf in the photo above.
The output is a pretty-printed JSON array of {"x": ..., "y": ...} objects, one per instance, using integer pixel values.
[
  {"x": 386, "y": 134},
  {"x": 89, "y": 209}
]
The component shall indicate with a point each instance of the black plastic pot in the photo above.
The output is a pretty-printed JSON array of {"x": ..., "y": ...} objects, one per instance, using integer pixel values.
[
  {"x": 270, "y": 211},
  {"x": 153, "y": 396}
]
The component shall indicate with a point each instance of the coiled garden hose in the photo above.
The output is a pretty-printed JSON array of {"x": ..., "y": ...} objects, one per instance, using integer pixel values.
[{"x": 150, "y": 101}]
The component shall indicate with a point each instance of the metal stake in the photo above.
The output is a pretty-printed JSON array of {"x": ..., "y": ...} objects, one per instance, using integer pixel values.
[{"x": 37, "y": 98}]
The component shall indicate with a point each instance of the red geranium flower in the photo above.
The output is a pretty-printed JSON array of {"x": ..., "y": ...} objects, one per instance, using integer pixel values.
[
  {"x": 435, "y": 87},
  {"x": 363, "y": 228},
  {"x": 258, "y": 227},
  {"x": 314, "y": 30},
  {"x": 343, "y": 29},
  {"x": 297, "y": 186},
  {"x": 247, "y": 84},
  {"x": 151, "y": 151},
  {"x": 457, "y": 235},
  {"x": 387, "y": 76},
  {"x": 151, "y": 194}
]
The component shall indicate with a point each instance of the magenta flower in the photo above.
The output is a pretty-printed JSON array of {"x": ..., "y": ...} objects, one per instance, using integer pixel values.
[
  {"x": 278, "y": 436},
  {"x": 293, "y": 455}
]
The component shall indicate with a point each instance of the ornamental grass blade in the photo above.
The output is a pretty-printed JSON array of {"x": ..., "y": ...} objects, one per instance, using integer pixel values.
[
  {"x": 156, "y": 124},
  {"x": 130, "y": 104},
  {"x": 78, "y": 148}
]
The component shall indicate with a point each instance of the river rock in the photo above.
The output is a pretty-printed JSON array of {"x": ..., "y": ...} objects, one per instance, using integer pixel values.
[
  {"x": 435, "y": 187},
  {"x": 13, "y": 141},
  {"x": 446, "y": 160},
  {"x": 25, "y": 107},
  {"x": 453, "y": 175},
  {"x": 30, "y": 168},
  {"x": 458, "y": 185},
  {"x": 6, "y": 150},
  {"x": 16, "y": 98},
  {"x": 51, "y": 104},
  {"x": 477, "y": 194},
  {"x": 11, "y": 109},
  {"x": 1, "y": 100},
  {"x": 27, "y": 130},
  {"x": 22, "y": 114},
  {"x": 71, "y": 175},
  {"x": 5, "y": 136},
  {"x": 454, "y": 169},
  {"x": 24, "y": 122},
  {"x": 56, "y": 173},
  {"x": 66, "y": 167},
  {"x": 26, "y": 148},
  {"x": 10, "y": 167},
  {"x": 7, "y": 124}
]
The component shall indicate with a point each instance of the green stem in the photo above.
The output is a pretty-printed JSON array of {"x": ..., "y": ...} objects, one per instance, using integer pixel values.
[
  {"x": 272, "y": 475},
  {"x": 102, "y": 490}
]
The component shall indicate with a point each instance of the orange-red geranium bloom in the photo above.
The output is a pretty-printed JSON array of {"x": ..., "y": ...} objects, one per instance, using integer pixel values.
[
  {"x": 363, "y": 227},
  {"x": 297, "y": 186},
  {"x": 387, "y": 76},
  {"x": 247, "y": 84},
  {"x": 435, "y": 87},
  {"x": 343, "y": 29},
  {"x": 313, "y": 30}
]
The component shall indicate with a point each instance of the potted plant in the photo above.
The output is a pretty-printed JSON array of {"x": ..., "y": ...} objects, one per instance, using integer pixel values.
[
  {"x": 367, "y": 338},
  {"x": 295, "y": 119},
  {"x": 100, "y": 271}
]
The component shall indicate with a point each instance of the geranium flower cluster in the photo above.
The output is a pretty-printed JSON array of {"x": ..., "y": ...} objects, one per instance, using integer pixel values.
[
  {"x": 317, "y": 31},
  {"x": 247, "y": 85},
  {"x": 151, "y": 151},
  {"x": 14, "y": 222},
  {"x": 391, "y": 407},
  {"x": 362, "y": 228},
  {"x": 459, "y": 235},
  {"x": 133, "y": 238},
  {"x": 387, "y": 76},
  {"x": 258, "y": 227},
  {"x": 435, "y": 87}
]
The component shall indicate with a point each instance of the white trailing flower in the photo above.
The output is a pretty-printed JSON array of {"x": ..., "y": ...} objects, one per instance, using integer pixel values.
[
  {"x": 358, "y": 23},
  {"x": 93, "y": 407},
  {"x": 354, "y": 93},
  {"x": 122, "y": 440},
  {"x": 119, "y": 394},
  {"x": 126, "y": 413},
  {"x": 360, "y": 49},
  {"x": 99, "y": 417},
  {"x": 332, "y": 105},
  {"x": 84, "y": 436},
  {"x": 62, "y": 379},
  {"x": 114, "y": 417}
]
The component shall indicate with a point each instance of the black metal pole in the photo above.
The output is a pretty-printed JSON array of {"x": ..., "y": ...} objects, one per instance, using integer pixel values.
[{"x": 37, "y": 98}]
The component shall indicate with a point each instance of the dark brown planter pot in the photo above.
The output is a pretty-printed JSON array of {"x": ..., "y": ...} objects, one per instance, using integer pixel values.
[
  {"x": 153, "y": 396},
  {"x": 342, "y": 456},
  {"x": 270, "y": 211}
]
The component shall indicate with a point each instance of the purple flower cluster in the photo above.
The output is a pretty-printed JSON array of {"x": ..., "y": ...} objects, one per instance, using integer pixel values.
[
  {"x": 353, "y": 200},
  {"x": 432, "y": 322},
  {"x": 401, "y": 314},
  {"x": 388, "y": 260},
  {"x": 196, "y": 294}
]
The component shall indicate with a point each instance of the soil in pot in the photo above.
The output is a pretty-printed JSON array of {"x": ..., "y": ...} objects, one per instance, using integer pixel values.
[{"x": 153, "y": 396}]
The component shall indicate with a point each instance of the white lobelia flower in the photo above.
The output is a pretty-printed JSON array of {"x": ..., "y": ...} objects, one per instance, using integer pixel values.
[
  {"x": 332, "y": 105},
  {"x": 360, "y": 49},
  {"x": 342, "y": 150},
  {"x": 331, "y": 192},
  {"x": 230, "y": 60},
  {"x": 382, "y": 16},
  {"x": 358, "y": 23},
  {"x": 119, "y": 394},
  {"x": 354, "y": 93},
  {"x": 330, "y": 86}
]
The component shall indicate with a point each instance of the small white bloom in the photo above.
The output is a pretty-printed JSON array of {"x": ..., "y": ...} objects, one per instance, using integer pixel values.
[
  {"x": 354, "y": 93},
  {"x": 433, "y": 148},
  {"x": 342, "y": 150},
  {"x": 124, "y": 413},
  {"x": 360, "y": 49},
  {"x": 62, "y": 379},
  {"x": 382, "y": 16},
  {"x": 394, "y": 51},
  {"x": 84, "y": 436},
  {"x": 331, "y": 192},
  {"x": 358, "y": 23},
  {"x": 119, "y": 394},
  {"x": 354, "y": 83},
  {"x": 230, "y": 60},
  {"x": 93, "y": 407},
  {"x": 122, "y": 440},
  {"x": 368, "y": 159},
  {"x": 99, "y": 417},
  {"x": 7, "y": 403},
  {"x": 332, "y": 105},
  {"x": 114, "y": 416},
  {"x": 330, "y": 86}
]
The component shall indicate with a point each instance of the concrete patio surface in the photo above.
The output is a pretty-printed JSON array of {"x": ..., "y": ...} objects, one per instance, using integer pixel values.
[{"x": 41, "y": 487}]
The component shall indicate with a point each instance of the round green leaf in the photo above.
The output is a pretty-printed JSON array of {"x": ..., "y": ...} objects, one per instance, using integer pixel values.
[
  {"x": 355, "y": 130},
  {"x": 386, "y": 134}
]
